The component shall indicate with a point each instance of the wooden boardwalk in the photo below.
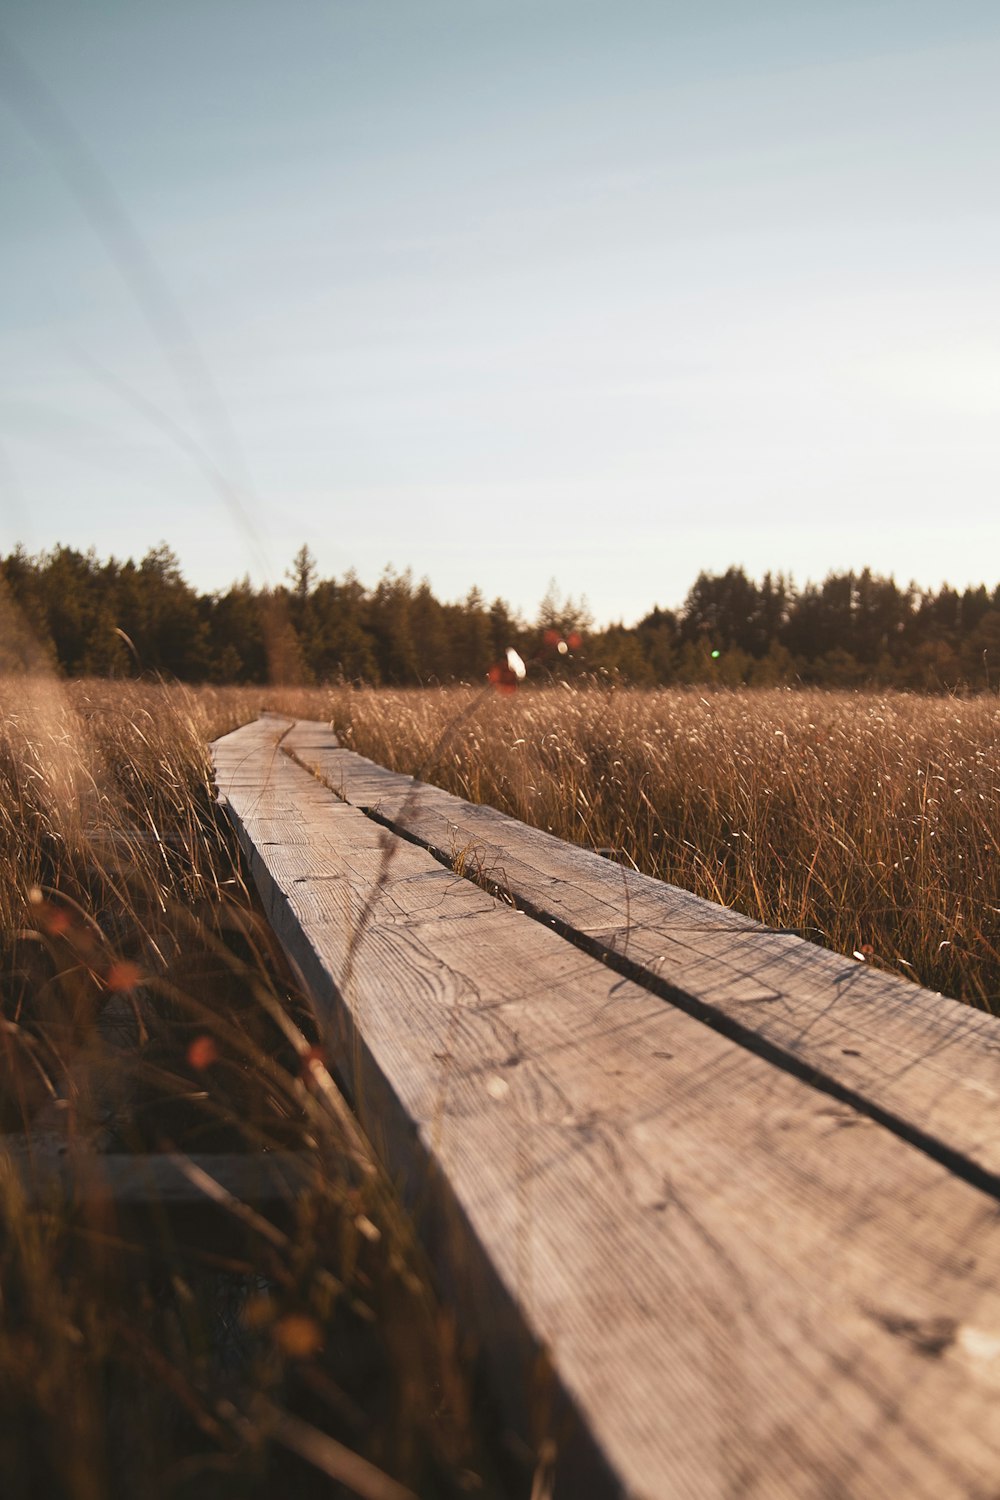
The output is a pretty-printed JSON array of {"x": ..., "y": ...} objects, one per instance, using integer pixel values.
[{"x": 721, "y": 1207}]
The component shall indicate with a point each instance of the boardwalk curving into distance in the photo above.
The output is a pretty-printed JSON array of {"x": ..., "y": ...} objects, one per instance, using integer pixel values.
[{"x": 721, "y": 1207}]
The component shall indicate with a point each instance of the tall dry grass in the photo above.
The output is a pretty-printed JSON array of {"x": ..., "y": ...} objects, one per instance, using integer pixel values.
[
  {"x": 871, "y": 819},
  {"x": 145, "y": 1006}
]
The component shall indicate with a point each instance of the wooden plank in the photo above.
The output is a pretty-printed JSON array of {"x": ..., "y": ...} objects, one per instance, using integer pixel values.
[
  {"x": 747, "y": 1289},
  {"x": 928, "y": 1065}
]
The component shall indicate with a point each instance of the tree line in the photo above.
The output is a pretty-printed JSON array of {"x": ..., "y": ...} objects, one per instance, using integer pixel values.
[{"x": 82, "y": 615}]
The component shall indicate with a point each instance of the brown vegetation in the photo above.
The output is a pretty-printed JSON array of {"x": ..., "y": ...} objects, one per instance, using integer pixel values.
[
  {"x": 871, "y": 820},
  {"x": 144, "y": 1007}
]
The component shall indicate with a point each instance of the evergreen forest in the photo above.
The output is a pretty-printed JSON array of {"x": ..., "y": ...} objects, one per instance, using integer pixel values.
[{"x": 78, "y": 614}]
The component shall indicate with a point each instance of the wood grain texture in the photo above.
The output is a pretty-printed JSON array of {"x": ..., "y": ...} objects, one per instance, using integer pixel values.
[
  {"x": 929, "y": 1063},
  {"x": 746, "y": 1287}
]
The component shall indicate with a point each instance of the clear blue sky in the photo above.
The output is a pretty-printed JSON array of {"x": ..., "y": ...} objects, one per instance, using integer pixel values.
[{"x": 505, "y": 290}]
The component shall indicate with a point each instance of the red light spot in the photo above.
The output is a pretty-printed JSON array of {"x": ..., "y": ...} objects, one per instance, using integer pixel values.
[
  {"x": 202, "y": 1052},
  {"x": 298, "y": 1335},
  {"x": 552, "y": 638},
  {"x": 54, "y": 920},
  {"x": 123, "y": 975},
  {"x": 574, "y": 640},
  {"x": 503, "y": 678}
]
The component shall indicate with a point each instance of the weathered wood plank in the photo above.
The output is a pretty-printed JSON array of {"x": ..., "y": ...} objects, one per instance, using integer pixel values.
[
  {"x": 748, "y": 1289},
  {"x": 927, "y": 1062}
]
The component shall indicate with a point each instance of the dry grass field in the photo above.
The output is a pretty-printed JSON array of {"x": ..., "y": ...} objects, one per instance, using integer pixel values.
[
  {"x": 143, "y": 1008},
  {"x": 872, "y": 821}
]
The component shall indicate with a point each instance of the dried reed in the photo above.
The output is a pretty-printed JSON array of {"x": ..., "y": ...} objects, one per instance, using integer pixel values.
[{"x": 872, "y": 819}]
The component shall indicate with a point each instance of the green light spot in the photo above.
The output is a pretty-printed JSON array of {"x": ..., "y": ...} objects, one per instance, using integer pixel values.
[{"x": 716, "y": 654}]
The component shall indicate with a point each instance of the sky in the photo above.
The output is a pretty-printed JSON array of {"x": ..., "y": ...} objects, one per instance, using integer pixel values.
[{"x": 605, "y": 292}]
